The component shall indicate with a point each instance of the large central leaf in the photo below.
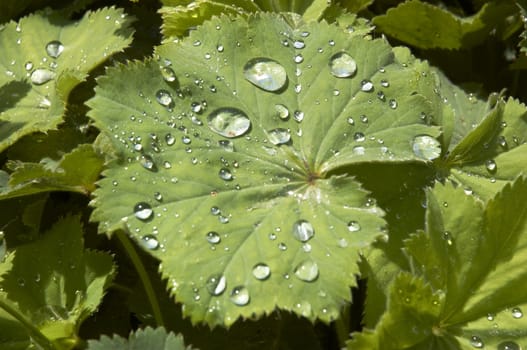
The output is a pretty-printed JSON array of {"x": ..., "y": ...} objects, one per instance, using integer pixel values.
[{"x": 234, "y": 152}]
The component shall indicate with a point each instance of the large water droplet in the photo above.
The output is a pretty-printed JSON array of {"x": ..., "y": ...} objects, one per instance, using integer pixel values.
[
  {"x": 54, "y": 48},
  {"x": 303, "y": 230},
  {"x": 279, "y": 136},
  {"x": 213, "y": 237},
  {"x": 265, "y": 73},
  {"x": 426, "y": 147},
  {"x": 307, "y": 271},
  {"x": 143, "y": 211},
  {"x": 240, "y": 296},
  {"x": 509, "y": 345},
  {"x": 150, "y": 242},
  {"x": 164, "y": 98},
  {"x": 41, "y": 76},
  {"x": 228, "y": 122},
  {"x": 353, "y": 226},
  {"x": 261, "y": 271},
  {"x": 476, "y": 342},
  {"x": 216, "y": 284},
  {"x": 342, "y": 65}
]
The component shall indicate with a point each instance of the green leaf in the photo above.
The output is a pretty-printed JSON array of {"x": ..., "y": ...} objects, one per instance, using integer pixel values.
[
  {"x": 148, "y": 338},
  {"x": 55, "y": 282},
  {"x": 264, "y": 209},
  {"x": 43, "y": 57},
  {"x": 522, "y": 4},
  {"x": 435, "y": 27},
  {"x": 76, "y": 172}
]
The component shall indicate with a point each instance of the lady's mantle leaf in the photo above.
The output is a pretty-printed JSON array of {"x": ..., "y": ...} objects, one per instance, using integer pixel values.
[
  {"x": 55, "y": 282},
  {"x": 43, "y": 58},
  {"x": 433, "y": 27},
  {"x": 234, "y": 154},
  {"x": 148, "y": 338},
  {"x": 474, "y": 258}
]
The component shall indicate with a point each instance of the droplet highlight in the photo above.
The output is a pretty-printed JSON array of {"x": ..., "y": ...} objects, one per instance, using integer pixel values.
[
  {"x": 265, "y": 73},
  {"x": 216, "y": 284}
]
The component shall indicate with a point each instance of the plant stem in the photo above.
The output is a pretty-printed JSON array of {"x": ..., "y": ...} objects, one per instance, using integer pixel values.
[
  {"x": 35, "y": 334},
  {"x": 143, "y": 275}
]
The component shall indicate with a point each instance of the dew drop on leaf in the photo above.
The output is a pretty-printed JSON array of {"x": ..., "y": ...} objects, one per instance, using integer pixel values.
[
  {"x": 54, "y": 48},
  {"x": 143, "y": 211},
  {"x": 228, "y": 122},
  {"x": 279, "y": 136},
  {"x": 298, "y": 116},
  {"x": 366, "y": 85},
  {"x": 168, "y": 74},
  {"x": 213, "y": 237},
  {"x": 359, "y": 137},
  {"x": 303, "y": 230},
  {"x": 426, "y": 147},
  {"x": 517, "y": 312},
  {"x": 28, "y": 65},
  {"x": 147, "y": 162},
  {"x": 41, "y": 76},
  {"x": 240, "y": 296},
  {"x": 283, "y": 112},
  {"x": 353, "y": 226},
  {"x": 225, "y": 174},
  {"x": 164, "y": 98},
  {"x": 342, "y": 65},
  {"x": 307, "y": 271},
  {"x": 265, "y": 73},
  {"x": 261, "y": 271},
  {"x": 298, "y": 58},
  {"x": 226, "y": 145},
  {"x": 215, "y": 211},
  {"x": 170, "y": 139},
  {"x": 392, "y": 103},
  {"x": 216, "y": 284},
  {"x": 491, "y": 166},
  {"x": 385, "y": 83},
  {"x": 509, "y": 345},
  {"x": 476, "y": 342},
  {"x": 150, "y": 242}
]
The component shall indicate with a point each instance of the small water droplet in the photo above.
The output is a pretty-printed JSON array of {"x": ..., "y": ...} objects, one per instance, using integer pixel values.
[
  {"x": 168, "y": 74},
  {"x": 283, "y": 112},
  {"x": 143, "y": 211},
  {"x": 54, "y": 48},
  {"x": 279, "y": 136},
  {"x": 261, "y": 271},
  {"x": 216, "y": 284},
  {"x": 299, "y": 44},
  {"x": 476, "y": 342},
  {"x": 147, "y": 162},
  {"x": 363, "y": 119},
  {"x": 517, "y": 312},
  {"x": 164, "y": 98},
  {"x": 509, "y": 345},
  {"x": 158, "y": 196},
  {"x": 426, "y": 147},
  {"x": 381, "y": 96},
  {"x": 170, "y": 139},
  {"x": 240, "y": 296},
  {"x": 213, "y": 237},
  {"x": 150, "y": 242},
  {"x": 342, "y": 65},
  {"x": 28, "y": 65},
  {"x": 225, "y": 174},
  {"x": 41, "y": 76},
  {"x": 303, "y": 230},
  {"x": 392, "y": 103},
  {"x": 351, "y": 121},
  {"x": 447, "y": 236},
  {"x": 353, "y": 226},
  {"x": 366, "y": 85},
  {"x": 298, "y": 58},
  {"x": 359, "y": 137},
  {"x": 282, "y": 246},
  {"x": 491, "y": 166},
  {"x": 215, "y": 211},
  {"x": 228, "y": 122},
  {"x": 227, "y": 145},
  {"x": 298, "y": 116},
  {"x": 385, "y": 83},
  {"x": 265, "y": 73},
  {"x": 490, "y": 317},
  {"x": 307, "y": 271},
  {"x": 21, "y": 282}
]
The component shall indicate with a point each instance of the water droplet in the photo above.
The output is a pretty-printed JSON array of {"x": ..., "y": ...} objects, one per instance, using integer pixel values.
[
  {"x": 366, "y": 85},
  {"x": 147, "y": 162},
  {"x": 164, "y": 98},
  {"x": 150, "y": 242},
  {"x": 261, "y": 271},
  {"x": 213, "y": 237},
  {"x": 491, "y": 166},
  {"x": 299, "y": 44},
  {"x": 226, "y": 145},
  {"x": 279, "y": 136},
  {"x": 476, "y": 342},
  {"x": 385, "y": 83},
  {"x": 54, "y": 48},
  {"x": 240, "y": 296},
  {"x": 283, "y": 112},
  {"x": 307, "y": 271},
  {"x": 490, "y": 316},
  {"x": 220, "y": 48},
  {"x": 303, "y": 230},
  {"x": 351, "y": 121},
  {"x": 381, "y": 96},
  {"x": 509, "y": 345},
  {"x": 282, "y": 246},
  {"x": 353, "y": 226},
  {"x": 363, "y": 119},
  {"x": 216, "y": 284},
  {"x": 215, "y": 211},
  {"x": 168, "y": 74},
  {"x": 170, "y": 139},
  {"x": 158, "y": 196},
  {"x": 228, "y": 122},
  {"x": 392, "y": 103},
  {"x": 359, "y": 137},
  {"x": 41, "y": 76},
  {"x": 298, "y": 58},
  {"x": 298, "y": 116},
  {"x": 225, "y": 174},
  {"x": 21, "y": 282},
  {"x": 143, "y": 211},
  {"x": 517, "y": 312},
  {"x": 265, "y": 73},
  {"x": 28, "y": 65},
  {"x": 447, "y": 236},
  {"x": 426, "y": 147},
  {"x": 342, "y": 65}
]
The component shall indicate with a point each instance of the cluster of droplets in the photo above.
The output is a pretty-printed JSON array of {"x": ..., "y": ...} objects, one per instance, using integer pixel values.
[
  {"x": 478, "y": 343},
  {"x": 43, "y": 75}
]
